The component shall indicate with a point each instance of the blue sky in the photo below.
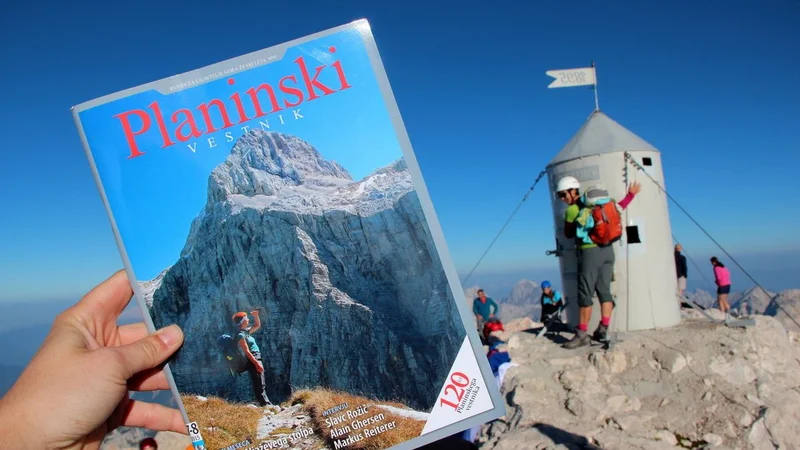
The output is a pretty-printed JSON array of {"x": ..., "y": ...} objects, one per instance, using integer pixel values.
[
  {"x": 713, "y": 86},
  {"x": 155, "y": 196}
]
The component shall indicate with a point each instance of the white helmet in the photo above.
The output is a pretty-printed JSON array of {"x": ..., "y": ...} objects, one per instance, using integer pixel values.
[{"x": 568, "y": 183}]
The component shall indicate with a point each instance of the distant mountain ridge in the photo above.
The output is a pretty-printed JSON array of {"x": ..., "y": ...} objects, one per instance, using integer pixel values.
[
  {"x": 756, "y": 301},
  {"x": 750, "y": 301},
  {"x": 523, "y": 301}
]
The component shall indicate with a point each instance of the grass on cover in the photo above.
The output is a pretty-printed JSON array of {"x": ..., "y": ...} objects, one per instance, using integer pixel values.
[
  {"x": 316, "y": 401},
  {"x": 230, "y": 422},
  {"x": 281, "y": 430}
]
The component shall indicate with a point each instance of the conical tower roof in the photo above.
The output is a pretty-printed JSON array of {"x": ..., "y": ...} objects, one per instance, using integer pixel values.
[{"x": 598, "y": 135}]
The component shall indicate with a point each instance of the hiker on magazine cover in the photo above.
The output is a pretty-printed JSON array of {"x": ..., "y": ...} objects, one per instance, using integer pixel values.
[{"x": 248, "y": 345}]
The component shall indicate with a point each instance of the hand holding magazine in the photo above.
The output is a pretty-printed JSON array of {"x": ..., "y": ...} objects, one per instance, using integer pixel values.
[{"x": 272, "y": 207}]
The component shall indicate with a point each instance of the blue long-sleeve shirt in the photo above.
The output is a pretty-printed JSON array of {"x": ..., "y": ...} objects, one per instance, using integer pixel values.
[
  {"x": 551, "y": 300},
  {"x": 484, "y": 309}
]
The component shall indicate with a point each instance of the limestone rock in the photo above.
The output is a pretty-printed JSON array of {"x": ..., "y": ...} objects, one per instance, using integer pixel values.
[
  {"x": 759, "y": 437},
  {"x": 666, "y": 436},
  {"x": 670, "y": 360},
  {"x": 736, "y": 371},
  {"x": 713, "y": 439},
  {"x": 703, "y": 393},
  {"x": 616, "y": 361},
  {"x": 345, "y": 273}
]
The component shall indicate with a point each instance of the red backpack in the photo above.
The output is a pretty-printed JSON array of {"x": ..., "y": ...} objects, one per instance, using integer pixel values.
[
  {"x": 607, "y": 219},
  {"x": 492, "y": 325}
]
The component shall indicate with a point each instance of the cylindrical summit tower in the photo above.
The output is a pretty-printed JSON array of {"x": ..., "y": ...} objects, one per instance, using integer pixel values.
[{"x": 645, "y": 279}]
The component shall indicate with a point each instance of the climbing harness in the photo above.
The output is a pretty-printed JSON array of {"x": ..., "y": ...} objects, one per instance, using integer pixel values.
[{"x": 525, "y": 197}]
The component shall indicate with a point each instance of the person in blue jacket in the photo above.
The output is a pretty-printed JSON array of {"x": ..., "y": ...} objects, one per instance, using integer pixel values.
[
  {"x": 551, "y": 301},
  {"x": 484, "y": 308}
]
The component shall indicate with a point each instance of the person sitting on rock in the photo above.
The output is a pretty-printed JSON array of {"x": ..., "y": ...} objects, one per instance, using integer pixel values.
[
  {"x": 484, "y": 309},
  {"x": 496, "y": 357},
  {"x": 551, "y": 302},
  {"x": 251, "y": 351},
  {"x": 595, "y": 262}
]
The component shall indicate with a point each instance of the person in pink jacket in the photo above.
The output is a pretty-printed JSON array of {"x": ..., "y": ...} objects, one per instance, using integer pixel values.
[{"x": 722, "y": 277}]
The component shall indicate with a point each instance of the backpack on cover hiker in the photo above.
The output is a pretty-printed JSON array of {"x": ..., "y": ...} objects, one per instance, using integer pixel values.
[
  {"x": 492, "y": 325},
  {"x": 234, "y": 356},
  {"x": 607, "y": 227}
]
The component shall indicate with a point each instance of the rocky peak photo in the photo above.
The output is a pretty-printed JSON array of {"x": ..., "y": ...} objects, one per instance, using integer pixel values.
[{"x": 346, "y": 274}]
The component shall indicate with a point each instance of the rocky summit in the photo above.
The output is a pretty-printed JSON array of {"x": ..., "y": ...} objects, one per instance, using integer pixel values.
[
  {"x": 346, "y": 274},
  {"x": 695, "y": 385}
]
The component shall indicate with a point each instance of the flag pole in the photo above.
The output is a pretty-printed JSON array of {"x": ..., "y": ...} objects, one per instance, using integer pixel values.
[{"x": 596, "y": 102}]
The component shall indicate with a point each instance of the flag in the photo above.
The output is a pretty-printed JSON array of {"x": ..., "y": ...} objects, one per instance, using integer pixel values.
[{"x": 584, "y": 76}]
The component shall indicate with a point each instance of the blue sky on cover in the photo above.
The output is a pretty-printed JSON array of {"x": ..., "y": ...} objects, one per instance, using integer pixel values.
[
  {"x": 713, "y": 85},
  {"x": 155, "y": 196}
]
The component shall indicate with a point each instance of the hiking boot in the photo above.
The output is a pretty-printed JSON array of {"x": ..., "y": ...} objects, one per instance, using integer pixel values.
[
  {"x": 601, "y": 333},
  {"x": 581, "y": 339}
]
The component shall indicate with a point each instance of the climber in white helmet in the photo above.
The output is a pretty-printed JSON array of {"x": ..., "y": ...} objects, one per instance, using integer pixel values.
[
  {"x": 594, "y": 239},
  {"x": 568, "y": 185}
]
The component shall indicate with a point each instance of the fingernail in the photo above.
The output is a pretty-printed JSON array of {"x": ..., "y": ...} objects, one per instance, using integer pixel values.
[{"x": 170, "y": 335}]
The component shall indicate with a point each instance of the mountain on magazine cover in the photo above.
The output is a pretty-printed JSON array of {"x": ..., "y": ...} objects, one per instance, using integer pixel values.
[{"x": 353, "y": 294}]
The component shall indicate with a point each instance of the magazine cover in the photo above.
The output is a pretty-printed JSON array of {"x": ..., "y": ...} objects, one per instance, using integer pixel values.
[{"x": 271, "y": 205}]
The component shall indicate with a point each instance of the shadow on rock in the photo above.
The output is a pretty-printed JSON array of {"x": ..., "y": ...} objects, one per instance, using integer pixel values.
[
  {"x": 450, "y": 443},
  {"x": 553, "y": 333},
  {"x": 565, "y": 438}
]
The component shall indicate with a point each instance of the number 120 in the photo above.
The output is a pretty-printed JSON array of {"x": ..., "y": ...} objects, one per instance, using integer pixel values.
[{"x": 459, "y": 382}]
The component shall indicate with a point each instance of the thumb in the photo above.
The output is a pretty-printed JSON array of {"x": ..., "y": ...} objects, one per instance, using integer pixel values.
[{"x": 150, "y": 351}]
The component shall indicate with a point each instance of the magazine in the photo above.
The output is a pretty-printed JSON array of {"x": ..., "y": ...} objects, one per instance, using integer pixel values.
[{"x": 272, "y": 207}]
